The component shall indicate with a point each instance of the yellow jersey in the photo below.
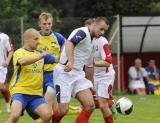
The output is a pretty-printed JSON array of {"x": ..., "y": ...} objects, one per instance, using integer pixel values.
[
  {"x": 27, "y": 79},
  {"x": 52, "y": 42}
]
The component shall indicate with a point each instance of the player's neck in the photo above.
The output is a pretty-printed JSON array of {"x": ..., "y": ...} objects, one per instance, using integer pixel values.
[
  {"x": 28, "y": 48},
  {"x": 45, "y": 34},
  {"x": 91, "y": 33}
]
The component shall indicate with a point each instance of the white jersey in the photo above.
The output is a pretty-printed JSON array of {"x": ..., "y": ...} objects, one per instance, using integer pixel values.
[
  {"x": 136, "y": 78},
  {"x": 102, "y": 52},
  {"x": 83, "y": 50},
  {"x": 5, "y": 47}
]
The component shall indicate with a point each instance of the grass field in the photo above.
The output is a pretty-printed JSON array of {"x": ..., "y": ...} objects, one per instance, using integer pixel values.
[{"x": 146, "y": 110}]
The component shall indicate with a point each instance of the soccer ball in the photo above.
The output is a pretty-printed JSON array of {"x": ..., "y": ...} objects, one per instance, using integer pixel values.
[{"x": 124, "y": 106}]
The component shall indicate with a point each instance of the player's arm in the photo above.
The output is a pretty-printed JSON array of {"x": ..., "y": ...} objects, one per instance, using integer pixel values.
[
  {"x": 8, "y": 59},
  {"x": 10, "y": 49},
  {"x": 31, "y": 59},
  {"x": 69, "y": 47},
  {"x": 106, "y": 57},
  {"x": 72, "y": 41}
]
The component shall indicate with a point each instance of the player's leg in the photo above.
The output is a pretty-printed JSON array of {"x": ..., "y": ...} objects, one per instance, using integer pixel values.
[
  {"x": 46, "y": 114},
  {"x": 63, "y": 93},
  {"x": 50, "y": 94},
  {"x": 104, "y": 93},
  {"x": 84, "y": 95},
  {"x": 48, "y": 89},
  {"x": 4, "y": 90},
  {"x": 107, "y": 114},
  {"x": 110, "y": 104},
  {"x": 17, "y": 105},
  {"x": 35, "y": 108},
  {"x": 86, "y": 99}
]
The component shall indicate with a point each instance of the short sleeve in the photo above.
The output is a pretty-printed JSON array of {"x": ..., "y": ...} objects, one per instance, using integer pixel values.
[
  {"x": 16, "y": 56},
  {"x": 77, "y": 36},
  {"x": 49, "y": 59}
]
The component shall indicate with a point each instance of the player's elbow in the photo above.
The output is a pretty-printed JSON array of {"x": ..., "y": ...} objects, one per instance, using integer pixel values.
[{"x": 21, "y": 62}]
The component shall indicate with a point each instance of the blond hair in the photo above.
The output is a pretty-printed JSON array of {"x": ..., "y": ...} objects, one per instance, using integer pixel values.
[{"x": 45, "y": 15}]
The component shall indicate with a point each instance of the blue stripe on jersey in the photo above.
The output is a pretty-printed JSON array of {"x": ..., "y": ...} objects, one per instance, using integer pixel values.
[
  {"x": 79, "y": 36},
  {"x": 60, "y": 39},
  {"x": 49, "y": 59},
  {"x": 17, "y": 76}
]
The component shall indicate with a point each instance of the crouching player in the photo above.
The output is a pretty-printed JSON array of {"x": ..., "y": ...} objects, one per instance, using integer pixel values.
[{"x": 26, "y": 83}]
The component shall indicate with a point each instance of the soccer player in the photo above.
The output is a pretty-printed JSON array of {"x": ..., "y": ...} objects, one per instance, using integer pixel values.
[
  {"x": 101, "y": 49},
  {"x": 26, "y": 83},
  {"x": 52, "y": 41},
  {"x": 6, "y": 47},
  {"x": 104, "y": 75},
  {"x": 69, "y": 75}
]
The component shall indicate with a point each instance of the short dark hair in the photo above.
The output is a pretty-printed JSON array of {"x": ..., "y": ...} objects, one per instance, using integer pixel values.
[
  {"x": 98, "y": 19},
  {"x": 89, "y": 21}
]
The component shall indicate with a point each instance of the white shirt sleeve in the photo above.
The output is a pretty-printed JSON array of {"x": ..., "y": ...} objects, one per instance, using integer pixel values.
[
  {"x": 132, "y": 73},
  {"x": 7, "y": 43}
]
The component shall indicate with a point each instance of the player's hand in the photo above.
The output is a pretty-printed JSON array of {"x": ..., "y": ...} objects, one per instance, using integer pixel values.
[
  {"x": 68, "y": 67},
  {"x": 6, "y": 63},
  {"x": 57, "y": 59},
  {"x": 44, "y": 53},
  {"x": 93, "y": 90}
]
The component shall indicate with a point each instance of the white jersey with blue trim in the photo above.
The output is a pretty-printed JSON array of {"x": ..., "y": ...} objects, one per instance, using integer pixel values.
[{"x": 83, "y": 50}]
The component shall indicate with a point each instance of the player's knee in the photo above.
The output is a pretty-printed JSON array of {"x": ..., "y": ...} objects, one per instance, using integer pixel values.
[
  {"x": 90, "y": 107},
  {"x": 64, "y": 111},
  {"x": 15, "y": 115},
  {"x": 103, "y": 106},
  {"x": 47, "y": 114}
]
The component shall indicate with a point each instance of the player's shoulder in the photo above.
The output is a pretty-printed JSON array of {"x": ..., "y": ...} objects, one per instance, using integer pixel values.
[
  {"x": 18, "y": 51},
  {"x": 3, "y": 35},
  {"x": 82, "y": 29},
  {"x": 56, "y": 34},
  {"x": 103, "y": 39}
]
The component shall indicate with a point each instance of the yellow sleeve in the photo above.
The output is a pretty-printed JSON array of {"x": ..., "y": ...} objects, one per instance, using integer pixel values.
[{"x": 17, "y": 55}]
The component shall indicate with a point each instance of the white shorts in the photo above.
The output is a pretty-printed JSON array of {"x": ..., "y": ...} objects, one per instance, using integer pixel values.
[
  {"x": 104, "y": 87},
  {"x": 68, "y": 84},
  {"x": 135, "y": 84},
  {"x": 3, "y": 74}
]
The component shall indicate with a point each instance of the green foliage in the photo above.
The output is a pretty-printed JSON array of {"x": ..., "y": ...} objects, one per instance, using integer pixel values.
[{"x": 155, "y": 7}]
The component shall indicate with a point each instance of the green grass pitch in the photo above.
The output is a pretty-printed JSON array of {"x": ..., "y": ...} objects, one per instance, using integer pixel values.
[{"x": 146, "y": 110}]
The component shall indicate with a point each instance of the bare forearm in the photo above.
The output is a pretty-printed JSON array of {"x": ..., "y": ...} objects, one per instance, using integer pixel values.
[
  {"x": 29, "y": 60},
  {"x": 69, "y": 50},
  {"x": 101, "y": 64},
  {"x": 10, "y": 54}
]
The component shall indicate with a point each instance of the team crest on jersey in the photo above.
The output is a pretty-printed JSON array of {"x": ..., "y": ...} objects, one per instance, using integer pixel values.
[
  {"x": 45, "y": 48},
  {"x": 34, "y": 65},
  {"x": 53, "y": 44}
]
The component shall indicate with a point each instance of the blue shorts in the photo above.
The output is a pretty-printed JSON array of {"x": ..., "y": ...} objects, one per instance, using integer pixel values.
[
  {"x": 47, "y": 81},
  {"x": 29, "y": 102}
]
